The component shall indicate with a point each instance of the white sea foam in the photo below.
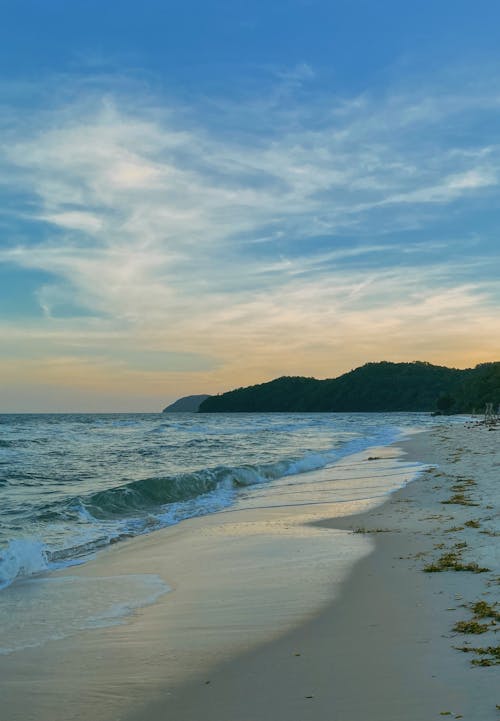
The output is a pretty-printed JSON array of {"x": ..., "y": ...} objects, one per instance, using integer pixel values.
[
  {"x": 131, "y": 475},
  {"x": 22, "y": 557}
]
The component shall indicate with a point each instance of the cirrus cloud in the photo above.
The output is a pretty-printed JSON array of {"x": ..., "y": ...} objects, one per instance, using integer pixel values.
[{"x": 331, "y": 234}]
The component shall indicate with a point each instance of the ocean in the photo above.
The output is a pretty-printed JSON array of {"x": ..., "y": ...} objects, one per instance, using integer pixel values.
[{"x": 73, "y": 484}]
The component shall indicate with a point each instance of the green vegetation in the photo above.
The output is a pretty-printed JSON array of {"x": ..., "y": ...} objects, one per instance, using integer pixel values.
[
  {"x": 489, "y": 655},
  {"x": 463, "y": 483},
  {"x": 472, "y": 524},
  {"x": 482, "y": 610},
  {"x": 373, "y": 530},
  {"x": 452, "y": 561},
  {"x": 381, "y": 386},
  {"x": 460, "y": 499},
  {"x": 470, "y": 627},
  {"x": 445, "y": 403}
]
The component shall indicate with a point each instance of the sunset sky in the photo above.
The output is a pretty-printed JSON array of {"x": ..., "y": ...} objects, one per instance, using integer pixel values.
[{"x": 205, "y": 194}]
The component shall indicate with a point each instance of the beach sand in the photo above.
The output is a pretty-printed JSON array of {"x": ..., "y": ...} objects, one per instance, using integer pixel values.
[{"x": 267, "y": 619}]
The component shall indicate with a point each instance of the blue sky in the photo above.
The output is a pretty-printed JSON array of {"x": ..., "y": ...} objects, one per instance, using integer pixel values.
[{"x": 202, "y": 195}]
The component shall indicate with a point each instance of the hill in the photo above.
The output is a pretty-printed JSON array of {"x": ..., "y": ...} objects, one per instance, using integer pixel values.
[
  {"x": 188, "y": 404},
  {"x": 383, "y": 386}
]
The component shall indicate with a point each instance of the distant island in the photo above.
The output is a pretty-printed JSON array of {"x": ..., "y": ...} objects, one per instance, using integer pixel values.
[
  {"x": 188, "y": 404},
  {"x": 382, "y": 387}
]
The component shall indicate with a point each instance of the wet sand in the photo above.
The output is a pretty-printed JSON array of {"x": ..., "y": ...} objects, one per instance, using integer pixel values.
[
  {"x": 267, "y": 619},
  {"x": 384, "y": 649}
]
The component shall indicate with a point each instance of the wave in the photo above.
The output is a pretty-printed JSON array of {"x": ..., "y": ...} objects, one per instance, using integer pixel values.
[
  {"x": 141, "y": 506},
  {"x": 23, "y": 442},
  {"x": 22, "y": 557},
  {"x": 138, "y": 507},
  {"x": 154, "y": 493}
]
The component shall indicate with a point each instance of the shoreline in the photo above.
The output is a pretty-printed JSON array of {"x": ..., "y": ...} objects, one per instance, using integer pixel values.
[
  {"x": 384, "y": 649},
  {"x": 371, "y": 642},
  {"x": 237, "y": 579}
]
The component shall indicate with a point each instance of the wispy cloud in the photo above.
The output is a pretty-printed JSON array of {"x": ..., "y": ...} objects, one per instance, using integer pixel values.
[{"x": 272, "y": 249}]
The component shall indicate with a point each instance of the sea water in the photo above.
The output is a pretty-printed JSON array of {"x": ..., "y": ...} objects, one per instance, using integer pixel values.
[{"x": 72, "y": 484}]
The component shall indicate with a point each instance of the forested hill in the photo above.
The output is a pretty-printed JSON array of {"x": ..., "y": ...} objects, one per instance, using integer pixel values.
[
  {"x": 381, "y": 386},
  {"x": 187, "y": 404}
]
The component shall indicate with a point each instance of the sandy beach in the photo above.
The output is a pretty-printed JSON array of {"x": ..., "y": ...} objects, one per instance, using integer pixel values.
[
  {"x": 385, "y": 649},
  {"x": 266, "y": 618}
]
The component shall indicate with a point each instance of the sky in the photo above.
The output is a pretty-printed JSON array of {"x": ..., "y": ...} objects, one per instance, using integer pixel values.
[{"x": 200, "y": 195}]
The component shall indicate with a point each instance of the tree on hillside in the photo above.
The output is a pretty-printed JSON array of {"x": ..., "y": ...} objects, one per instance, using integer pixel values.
[{"x": 445, "y": 403}]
